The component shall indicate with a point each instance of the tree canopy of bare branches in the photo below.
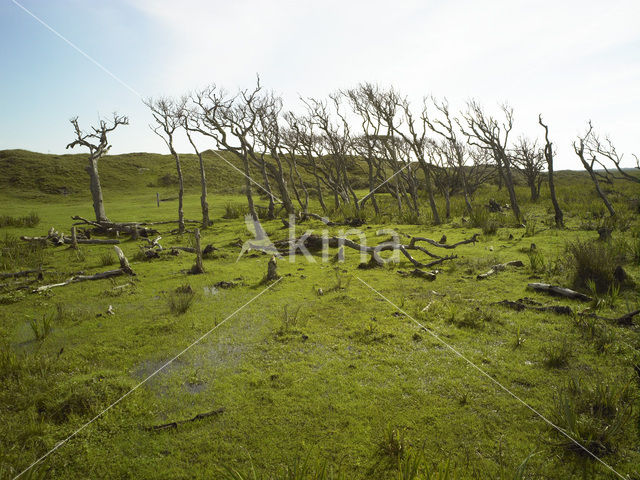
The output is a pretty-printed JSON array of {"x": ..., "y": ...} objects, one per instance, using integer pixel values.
[{"x": 97, "y": 142}]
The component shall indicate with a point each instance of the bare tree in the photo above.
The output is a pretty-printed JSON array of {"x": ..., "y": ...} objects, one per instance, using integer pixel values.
[
  {"x": 189, "y": 120},
  {"x": 168, "y": 114},
  {"x": 548, "y": 156},
  {"x": 529, "y": 160},
  {"x": 489, "y": 134},
  {"x": 586, "y": 147},
  {"x": 98, "y": 144},
  {"x": 606, "y": 154},
  {"x": 456, "y": 158}
]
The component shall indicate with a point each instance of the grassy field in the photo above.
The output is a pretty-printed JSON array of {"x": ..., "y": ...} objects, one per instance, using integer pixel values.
[{"x": 339, "y": 385}]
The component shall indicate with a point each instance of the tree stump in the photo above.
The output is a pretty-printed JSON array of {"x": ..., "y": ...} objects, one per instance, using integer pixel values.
[
  {"x": 74, "y": 238},
  {"x": 199, "y": 266},
  {"x": 272, "y": 269}
]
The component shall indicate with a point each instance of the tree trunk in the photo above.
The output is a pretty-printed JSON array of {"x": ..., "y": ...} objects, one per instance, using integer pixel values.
[
  {"x": 432, "y": 200},
  {"x": 180, "y": 189},
  {"x": 554, "y": 200},
  {"x": 96, "y": 191},
  {"x": 203, "y": 194},
  {"x": 508, "y": 180},
  {"x": 247, "y": 183},
  {"x": 602, "y": 195}
]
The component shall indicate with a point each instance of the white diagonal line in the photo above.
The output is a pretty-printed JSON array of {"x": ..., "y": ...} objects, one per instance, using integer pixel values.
[
  {"x": 78, "y": 49},
  {"x": 62, "y": 442},
  {"x": 483, "y": 372},
  {"x": 120, "y": 81},
  {"x": 373, "y": 191}
]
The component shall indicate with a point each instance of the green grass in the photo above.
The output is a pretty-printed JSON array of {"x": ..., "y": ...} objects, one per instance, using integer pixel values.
[{"x": 340, "y": 383}]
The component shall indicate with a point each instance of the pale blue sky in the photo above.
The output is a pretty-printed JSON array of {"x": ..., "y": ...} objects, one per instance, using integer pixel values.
[{"x": 571, "y": 60}]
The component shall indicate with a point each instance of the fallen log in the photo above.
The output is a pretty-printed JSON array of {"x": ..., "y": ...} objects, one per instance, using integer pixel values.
[
  {"x": 175, "y": 424},
  {"x": 624, "y": 320},
  {"x": 528, "y": 304},
  {"x": 125, "y": 269},
  {"x": 499, "y": 268},
  {"x": 348, "y": 222},
  {"x": 60, "y": 239},
  {"x": 416, "y": 272},
  {"x": 558, "y": 291},
  {"x": 23, "y": 273},
  {"x": 473, "y": 240},
  {"x": 132, "y": 228}
]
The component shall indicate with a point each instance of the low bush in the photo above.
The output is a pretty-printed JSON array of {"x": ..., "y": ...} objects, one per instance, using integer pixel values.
[
  {"x": 30, "y": 220},
  {"x": 181, "y": 299}
]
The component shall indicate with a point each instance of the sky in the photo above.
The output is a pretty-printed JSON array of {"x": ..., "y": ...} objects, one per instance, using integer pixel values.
[{"x": 571, "y": 61}]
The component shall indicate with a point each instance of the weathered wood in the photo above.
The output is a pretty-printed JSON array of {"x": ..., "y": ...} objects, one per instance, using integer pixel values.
[
  {"x": 199, "y": 265},
  {"x": 499, "y": 268},
  {"x": 124, "y": 269},
  {"x": 74, "y": 238},
  {"x": 473, "y": 240},
  {"x": 59, "y": 239},
  {"x": 558, "y": 291},
  {"x": 175, "y": 424},
  {"x": 416, "y": 272},
  {"x": 272, "y": 269},
  {"x": 23, "y": 273},
  {"x": 522, "y": 304}
]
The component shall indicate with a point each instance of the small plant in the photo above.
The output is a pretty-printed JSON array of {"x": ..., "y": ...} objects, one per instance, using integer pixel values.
[
  {"x": 289, "y": 321},
  {"x": 107, "y": 258},
  {"x": 594, "y": 416},
  {"x": 29, "y": 221},
  {"x": 558, "y": 354},
  {"x": 519, "y": 338},
  {"x": 392, "y": 447},
  {"x": 181, "y": 299},
  {"x": 41, "y": 328},
  {"x": 530, "y": 227},
  {"x": 232, "y": 210},
  {"x": 342, "y": 281},
  {"x": 595, "y": 262},
  {"x": 536, "y": 261}
]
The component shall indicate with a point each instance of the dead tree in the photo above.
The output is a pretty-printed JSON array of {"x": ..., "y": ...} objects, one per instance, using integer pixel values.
[
  {"x": 186, "y": 120},
  {"x": 98, "y": 144},
  {"x": 456, "y": 153},
  {"x": 548, "y": 156},
  {"x": 586, "y": 150},
  {"x": 606, "y": 154},
  {"x": 488, "y": 133},
  {"x": 528, "y": 158},
  {"x": 167, "y": 114}
]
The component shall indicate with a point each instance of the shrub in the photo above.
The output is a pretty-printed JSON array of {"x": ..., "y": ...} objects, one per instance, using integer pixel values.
[
  {"x": 107, "y": 258},
  {"x": 181, "y": 299},
  {"x": 536, "y": 261},
  {"x": 15, "y": 254},
  {"x": 30, "y": 220},
  {"x": 595, "y": 416},
  {"x": 41, "y": 328},
  {"x": 232, "y": 211},
  {"x": 595, "y": 261},
  {"x": 557, "y": 355},
  {"x": 289, "y": 321}
]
